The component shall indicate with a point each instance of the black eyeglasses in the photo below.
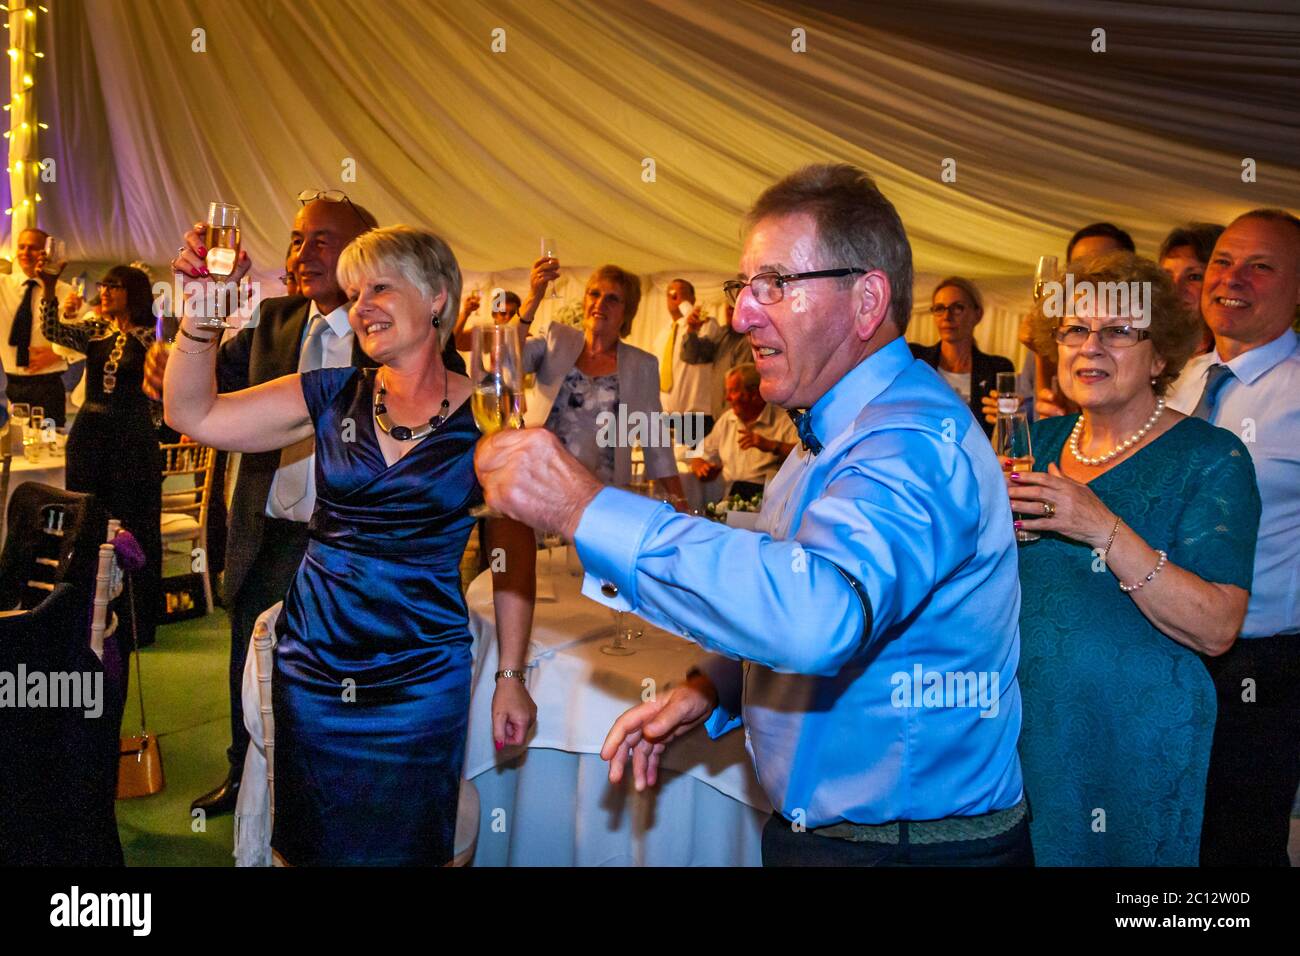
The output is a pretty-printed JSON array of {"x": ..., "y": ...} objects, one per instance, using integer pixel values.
[
  {"x": 331, "y": 195},
  {"x": 1114, "y": 336},
  {"x": 107, "y": 286},
  {"x": 769, "y": 287},
  {"x": 955, "y": 309}
]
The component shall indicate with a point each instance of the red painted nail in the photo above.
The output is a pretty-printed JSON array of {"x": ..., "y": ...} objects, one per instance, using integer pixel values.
[
  {"x": 1015, "y": 476},
  {"x": 499, "y": 744},
  {"x": 202, "y": 251},
  {"x": 1016, "y": 525}
]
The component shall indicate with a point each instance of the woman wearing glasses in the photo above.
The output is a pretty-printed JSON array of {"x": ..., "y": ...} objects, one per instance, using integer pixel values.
[
  {"x": 112, "y": 449},
  {"x": 957, "y": 307},
  {"x": 1148, "y": 521}
]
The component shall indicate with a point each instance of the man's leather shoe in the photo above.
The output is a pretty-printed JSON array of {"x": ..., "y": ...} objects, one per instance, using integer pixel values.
[{"x": 221, "y": 800}]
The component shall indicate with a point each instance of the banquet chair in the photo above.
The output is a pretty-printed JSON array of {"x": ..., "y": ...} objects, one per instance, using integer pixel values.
[
  {"x": 467, "y": 820},
  {"x": 53, "y": 537},
  {"x": 185, "y": 509}
]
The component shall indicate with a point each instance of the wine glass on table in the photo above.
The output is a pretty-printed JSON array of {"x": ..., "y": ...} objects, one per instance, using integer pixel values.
[
  {"x": 221, "y": 242},
  {"x": 618, "y": 647},
  {"x": 496, "y": 371},
  {"x": 1011, "y": 444},
  {"x": 19, "y": 414}
]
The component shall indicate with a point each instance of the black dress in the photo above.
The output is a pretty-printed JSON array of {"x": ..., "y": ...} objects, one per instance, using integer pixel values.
[{"x": 113, "y": 448}]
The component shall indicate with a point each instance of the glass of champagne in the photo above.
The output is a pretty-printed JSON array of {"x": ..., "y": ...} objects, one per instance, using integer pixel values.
[
  {"x": 618, "y": 647},
  {"x": 56, "y": 256},
  {"x": 1008, "y": 393},
  {"x": 1045, "y": 273},
  {"x": 548, "y": 251},
  {"x": 496, "y": 370},
  {"x": 1011, "y": 444},
  {"x": 222, "y": 244}
]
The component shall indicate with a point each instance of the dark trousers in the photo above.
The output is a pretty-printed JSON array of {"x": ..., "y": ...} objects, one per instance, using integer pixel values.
[
  {"x": 44, "y": 390},
  {"x": 283, "y": 545},
  {"x": 1255, "y": 761},
  {"x": 783, "y": 846}
]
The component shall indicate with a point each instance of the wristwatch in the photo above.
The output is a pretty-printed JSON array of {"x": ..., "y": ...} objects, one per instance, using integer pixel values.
[{"x": 517, "y": 675}]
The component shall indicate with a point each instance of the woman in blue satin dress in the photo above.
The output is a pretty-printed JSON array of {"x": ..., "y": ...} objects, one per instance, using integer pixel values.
[{"x": 372, "y": 665}]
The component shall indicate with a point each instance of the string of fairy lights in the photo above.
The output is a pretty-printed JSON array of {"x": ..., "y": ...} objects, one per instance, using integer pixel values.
[{"x": 25, "y": 164}]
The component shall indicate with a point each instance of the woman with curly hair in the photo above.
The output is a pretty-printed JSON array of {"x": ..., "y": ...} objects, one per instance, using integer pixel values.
[
  {"x": 113, "y": 446},
  {"x": 1148, "y": 520}
]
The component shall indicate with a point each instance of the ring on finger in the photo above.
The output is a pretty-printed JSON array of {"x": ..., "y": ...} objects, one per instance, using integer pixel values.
[{"x": 1049, "y": 510}]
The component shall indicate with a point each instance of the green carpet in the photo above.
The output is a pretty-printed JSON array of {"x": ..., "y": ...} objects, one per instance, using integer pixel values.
[{"x": 188, "y": 707}]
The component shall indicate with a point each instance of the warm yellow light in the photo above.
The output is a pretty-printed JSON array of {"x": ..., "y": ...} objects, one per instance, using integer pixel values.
[
  {"x": 43, "y": 125},
  {"x": 19, "y": 165},
  {"x": 38, "y": 197},
  {"x": 29, "y": 15},
  {"x": 18, "y": 97},
  {"x": 40, "y": 55},
  {"x": 9, "y": 211},
  {"x": 24, "y": 126},
  {"x": 27, "y": 81},
  {"x": 43, "y": 9},
  {"x": 27, "y": 202},
  {"x": 13, "y": 52}
]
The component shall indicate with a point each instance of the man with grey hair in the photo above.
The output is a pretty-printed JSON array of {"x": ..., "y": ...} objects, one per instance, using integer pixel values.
[
  {"x": 884, "y": 565},
  {"x": 1252, "y": 387},
  {"x": 749, "y": 441}
]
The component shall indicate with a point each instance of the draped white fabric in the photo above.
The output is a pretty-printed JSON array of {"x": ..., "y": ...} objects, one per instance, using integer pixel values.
[{"x": 551, "y": 137}]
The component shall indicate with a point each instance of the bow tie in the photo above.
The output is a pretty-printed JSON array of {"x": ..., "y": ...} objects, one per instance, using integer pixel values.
[{"x": 803, "y": 422}]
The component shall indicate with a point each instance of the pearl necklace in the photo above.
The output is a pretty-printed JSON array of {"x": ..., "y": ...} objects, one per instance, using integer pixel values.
[{"x": 1119, "y": 449}]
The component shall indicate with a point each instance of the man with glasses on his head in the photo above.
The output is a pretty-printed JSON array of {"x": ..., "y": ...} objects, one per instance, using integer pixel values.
[
  {"x": 275, "y": 491},
  {"x": 867, "y": 635}
]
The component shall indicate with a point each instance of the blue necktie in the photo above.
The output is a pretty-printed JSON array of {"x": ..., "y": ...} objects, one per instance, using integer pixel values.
[
  {"x": 803, "y": 422},
  {"x": 1215, "y": 380}
]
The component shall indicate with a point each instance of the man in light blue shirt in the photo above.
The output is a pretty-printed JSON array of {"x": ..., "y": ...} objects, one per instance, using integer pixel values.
[
  {"x": 1252, "y": 388},
  {"x": 866, "y": 636}
]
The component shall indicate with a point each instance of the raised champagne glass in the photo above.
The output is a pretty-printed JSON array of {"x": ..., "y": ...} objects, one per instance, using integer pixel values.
[
  {"x": 221, "y": 241},
  {"x": 548, "y": 251},
  {"x": 1011, "y": 444},
  {"x": 496, "y": 370},
  {"x": 56, "y": 256}
]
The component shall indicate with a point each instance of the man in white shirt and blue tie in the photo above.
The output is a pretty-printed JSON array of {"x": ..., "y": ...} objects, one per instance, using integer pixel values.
[{"x": 1250, "y": 385}]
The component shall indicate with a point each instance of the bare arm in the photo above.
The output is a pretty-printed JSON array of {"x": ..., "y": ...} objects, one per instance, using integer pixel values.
[
  {"x": 512, "y": 556},
  {"x": 263, "y": 418}
]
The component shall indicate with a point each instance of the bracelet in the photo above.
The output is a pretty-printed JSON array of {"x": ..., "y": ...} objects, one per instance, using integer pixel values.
[
  {"x": 195, "y": 338},
  {"x": 1128, "y": 588},
  {"x": 1111, "y": 540},
  {"x": 200, "y": 351},
  {"x": 517, "y": 675}
]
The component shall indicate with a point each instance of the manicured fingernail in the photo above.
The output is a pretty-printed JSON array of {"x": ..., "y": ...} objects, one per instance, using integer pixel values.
[
  {"x": 499, "y": 744},
  {"x": 202, "y": 251},
  {"x": 1016, "y": 525},
  {"x": 1015, "y": 476},
  {"x": 203, "y": 270}
]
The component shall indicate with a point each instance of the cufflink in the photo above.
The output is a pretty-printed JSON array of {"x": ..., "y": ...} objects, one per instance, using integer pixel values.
[{"x": 609, "y": 590}]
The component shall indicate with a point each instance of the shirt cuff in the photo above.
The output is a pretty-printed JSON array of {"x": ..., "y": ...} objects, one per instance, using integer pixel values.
[{"x": 608, "y": 540}]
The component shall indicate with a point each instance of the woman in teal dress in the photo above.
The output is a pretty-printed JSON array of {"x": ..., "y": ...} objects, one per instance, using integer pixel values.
[{"x": 1148, "y": 520}]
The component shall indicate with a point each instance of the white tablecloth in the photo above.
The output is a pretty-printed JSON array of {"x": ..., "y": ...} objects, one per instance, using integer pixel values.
[
  {"x": 552, "y": 804},
  {"x": 48, "y": 471}
]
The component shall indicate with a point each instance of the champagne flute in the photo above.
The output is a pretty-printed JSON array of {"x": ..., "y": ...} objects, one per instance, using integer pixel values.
[
  {"x": 222, "y": 244},
  {"x": 496, "y": 370},
  {"x": 548, "y": 251},
  {"x": 1045, "y": 273},
  {"x": 1008, "y": 393},
  {"x": 618, "y": 647},
  {"x": 1011, "y": 444}
]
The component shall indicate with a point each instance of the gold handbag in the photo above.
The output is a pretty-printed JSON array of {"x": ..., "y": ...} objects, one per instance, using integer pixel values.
[{"x": 139, "y": 761}]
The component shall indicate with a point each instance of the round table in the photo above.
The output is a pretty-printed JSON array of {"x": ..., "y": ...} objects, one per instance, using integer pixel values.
[
  {"x": 48, "y": 471},
  {"x": 550, "y": 802}
]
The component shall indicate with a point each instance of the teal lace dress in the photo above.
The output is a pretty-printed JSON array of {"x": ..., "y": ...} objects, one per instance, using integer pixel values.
[{"x": 1118, "y": 718}]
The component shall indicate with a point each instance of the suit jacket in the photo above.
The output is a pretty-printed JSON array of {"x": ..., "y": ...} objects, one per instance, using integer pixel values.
[
  {"x": 984, "y": 370},
  {"x": 259, "y": 354},
  {"x": 552, "y": 355}
]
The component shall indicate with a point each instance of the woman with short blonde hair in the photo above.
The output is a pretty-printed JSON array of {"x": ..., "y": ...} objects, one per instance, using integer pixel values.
[{"x": 372, "y": 663}]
